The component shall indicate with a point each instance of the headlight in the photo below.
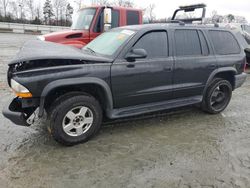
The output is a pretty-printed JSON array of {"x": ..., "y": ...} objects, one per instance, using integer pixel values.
[
  {"x": 20, "y": 90},
  {"x": 42, "y": 38}
]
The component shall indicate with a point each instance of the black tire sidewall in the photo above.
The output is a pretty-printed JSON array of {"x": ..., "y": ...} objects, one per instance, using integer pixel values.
[
  {"x": 215, "y": 83},
  {"x": 62, "y": 109}
]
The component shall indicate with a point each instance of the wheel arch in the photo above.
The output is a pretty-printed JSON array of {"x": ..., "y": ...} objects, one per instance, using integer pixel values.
[
  {"x": 224, "y": 72},
  {"x": 86, "y": 84}
]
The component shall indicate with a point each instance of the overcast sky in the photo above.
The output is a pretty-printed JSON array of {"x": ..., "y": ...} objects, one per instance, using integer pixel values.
[{"x": 165, "y": 8}]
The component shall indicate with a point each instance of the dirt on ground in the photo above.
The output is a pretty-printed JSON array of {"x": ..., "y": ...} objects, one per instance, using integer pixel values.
[{"x": 182, "y": 148}]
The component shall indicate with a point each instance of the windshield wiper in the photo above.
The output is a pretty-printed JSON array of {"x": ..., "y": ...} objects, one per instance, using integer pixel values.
[{"x": 90, "y": 49}]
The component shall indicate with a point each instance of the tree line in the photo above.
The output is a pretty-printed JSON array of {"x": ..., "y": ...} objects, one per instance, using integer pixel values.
[
  {"x": 55, "y": 12},
  {"x": 59, "y": 12},
  {"x": 50, "y": 12}
]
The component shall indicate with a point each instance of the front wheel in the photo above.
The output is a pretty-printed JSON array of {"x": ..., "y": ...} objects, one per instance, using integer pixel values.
[
  {"x": 75, "y": 119},
  {"x": 217, "y": 96}
]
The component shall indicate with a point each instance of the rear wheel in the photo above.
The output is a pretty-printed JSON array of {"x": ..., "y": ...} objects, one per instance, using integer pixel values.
[
  {"x": 218, "y": 96},
  {"x": 75, "y": 119}
]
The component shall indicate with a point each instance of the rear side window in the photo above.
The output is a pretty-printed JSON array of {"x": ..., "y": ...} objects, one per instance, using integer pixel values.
[
  {"x": 115, "y": 18},
  {"x": 224, "y": 42},
  {"x": 155, "y": 43},
  {"x": 132, "y": 17},
  {"x": 187, "y": 43}
]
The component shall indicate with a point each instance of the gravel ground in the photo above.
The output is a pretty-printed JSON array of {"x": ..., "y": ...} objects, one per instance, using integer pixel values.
[{"x": 184, "y": 148}]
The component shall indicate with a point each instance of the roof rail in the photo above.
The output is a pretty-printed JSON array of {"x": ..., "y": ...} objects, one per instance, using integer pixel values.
[
  {"x": 176, "y": 21},
  {"x": 191, "y": 8}
]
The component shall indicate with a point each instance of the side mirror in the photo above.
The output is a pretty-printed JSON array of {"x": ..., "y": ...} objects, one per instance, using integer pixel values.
[
  {"x": 107, "y": 19},
  {"x": 136, "y": 54}
]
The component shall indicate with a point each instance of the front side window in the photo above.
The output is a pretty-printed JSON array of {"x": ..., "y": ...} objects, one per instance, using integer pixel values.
[
  {"x": 132, "y": 17},
  {"x": 100, "y": 21},
  {"x": 108, "y": 43},
  {"x": 83, "y": 19},
  {"x": 224, "y": 42},
  {"x": 155, "y": 44},
  {"x": 187, "y": 43}
]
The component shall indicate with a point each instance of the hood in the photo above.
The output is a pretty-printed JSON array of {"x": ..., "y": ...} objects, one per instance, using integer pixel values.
[
  {"x": 62, "y": 35},
  {"x": 39, "y": 50}
]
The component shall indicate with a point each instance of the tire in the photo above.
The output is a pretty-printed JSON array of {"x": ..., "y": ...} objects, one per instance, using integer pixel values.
[
  {"x": 74, "y": 119},
  {"x": 217, "y": 96}
]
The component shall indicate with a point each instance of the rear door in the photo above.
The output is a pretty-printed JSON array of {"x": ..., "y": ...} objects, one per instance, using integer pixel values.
[
  {"x": 144, "y": 80},
  {"x": 194, "y": 62}
]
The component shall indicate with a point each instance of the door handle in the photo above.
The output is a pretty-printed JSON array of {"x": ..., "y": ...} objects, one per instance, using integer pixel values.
[{"x": 130, "y": 65}]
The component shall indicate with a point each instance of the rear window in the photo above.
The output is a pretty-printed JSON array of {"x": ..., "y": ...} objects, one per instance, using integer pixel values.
[
  {"x": 224, "y": 42},
  {"x": 132, "y": 17},
  {"x": 187, "y": 43}
]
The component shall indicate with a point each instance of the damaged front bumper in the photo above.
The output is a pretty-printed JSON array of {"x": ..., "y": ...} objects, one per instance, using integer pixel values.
[{"x": 17, "y": 114}]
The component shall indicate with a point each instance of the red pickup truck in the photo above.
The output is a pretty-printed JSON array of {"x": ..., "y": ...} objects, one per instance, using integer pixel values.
[{"x": 92, "y": 21}]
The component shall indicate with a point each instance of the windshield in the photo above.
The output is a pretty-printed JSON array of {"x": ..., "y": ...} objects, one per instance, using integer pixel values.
[
  {"x": 109, "y": 42},
  {"x": 83, "y": 19}
]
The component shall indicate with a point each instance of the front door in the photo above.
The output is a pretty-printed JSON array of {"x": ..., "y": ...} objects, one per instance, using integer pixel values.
[{"x": 145, "y": 80}]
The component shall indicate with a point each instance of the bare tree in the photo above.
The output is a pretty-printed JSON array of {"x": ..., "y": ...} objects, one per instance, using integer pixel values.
[
  {"x": 151, "y": 13},
  {"x": 124, "y": 3},
  {"x": 31, "y": 7},
  {"x": 240, "y": 19},
  {"x": 38, "y": 12},
  {"x": 5, "y": 4},
  {"x": 14, "y": 9},
  {"x": 59, "y": 7},
  {"x": 68, "y": 14},
  {"x": 21, "y": 5},
  {"x": 99, "y": 2},
  {"x": 79, "y": 3}
]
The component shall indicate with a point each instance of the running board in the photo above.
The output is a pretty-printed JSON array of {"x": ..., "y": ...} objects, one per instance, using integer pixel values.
[{"x": 152, "y": 107}]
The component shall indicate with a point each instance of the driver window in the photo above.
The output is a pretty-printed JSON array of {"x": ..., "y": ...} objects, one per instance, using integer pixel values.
[
  {"x": 155, "y": 43},
  {"x": 99, "y": 23}
]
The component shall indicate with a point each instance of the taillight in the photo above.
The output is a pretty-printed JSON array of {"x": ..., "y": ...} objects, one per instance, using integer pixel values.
[{"x": 245, "y": 66}]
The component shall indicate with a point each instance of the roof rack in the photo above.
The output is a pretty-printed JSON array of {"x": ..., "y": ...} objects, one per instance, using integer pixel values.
[
  {"x": 176, "y": 21},
  {"x": 190, "y": 8}
]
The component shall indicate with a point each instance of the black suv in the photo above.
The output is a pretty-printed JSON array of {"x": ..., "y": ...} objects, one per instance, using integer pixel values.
[{"x": 124, "y": 72}]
